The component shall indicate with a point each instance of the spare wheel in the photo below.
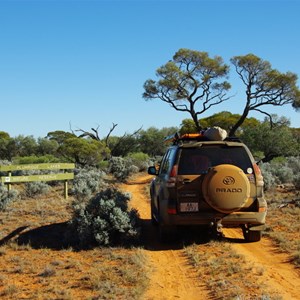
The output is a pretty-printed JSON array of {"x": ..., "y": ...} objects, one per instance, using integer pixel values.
[{"x": 226, "y": 188}]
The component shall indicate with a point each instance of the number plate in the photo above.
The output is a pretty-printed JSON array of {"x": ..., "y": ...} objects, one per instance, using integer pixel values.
[{"x": 189, "y": 207}]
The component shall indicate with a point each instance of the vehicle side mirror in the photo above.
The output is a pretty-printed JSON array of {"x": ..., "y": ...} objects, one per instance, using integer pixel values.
[{"x": 152, "y": 170}]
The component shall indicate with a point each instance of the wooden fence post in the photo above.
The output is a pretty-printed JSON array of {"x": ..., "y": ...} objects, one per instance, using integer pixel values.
[
  {"x": 66, "y": 189},
  {"x": 9, "y": 185}
]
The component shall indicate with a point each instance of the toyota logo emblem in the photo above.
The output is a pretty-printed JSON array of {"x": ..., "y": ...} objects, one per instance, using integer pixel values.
[{"x": 228, "y": 180}]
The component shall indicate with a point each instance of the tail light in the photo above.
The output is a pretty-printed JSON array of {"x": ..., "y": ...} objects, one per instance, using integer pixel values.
[
  {"x": 262, "y": 205},
  {"x": 262, "y": 209},
  {"x": 172, "y": 210},
  {"x": 257, "y": 170},
  {"x": 172, "y": 177},
  {"x": 258, "y": 176}
]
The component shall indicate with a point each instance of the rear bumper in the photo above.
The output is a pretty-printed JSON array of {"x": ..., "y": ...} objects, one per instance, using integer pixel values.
[{"x": 232, "y": 219}]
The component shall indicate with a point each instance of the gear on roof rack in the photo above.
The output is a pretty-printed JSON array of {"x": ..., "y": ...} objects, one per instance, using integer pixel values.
[
  {"x": 210, "y": 134},
  {"x": 177, "y": 138}
]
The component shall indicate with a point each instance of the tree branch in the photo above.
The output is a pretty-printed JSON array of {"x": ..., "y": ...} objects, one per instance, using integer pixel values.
[
  {"x": 108, "y": 135},
  {"x": 268, "y": 115}
]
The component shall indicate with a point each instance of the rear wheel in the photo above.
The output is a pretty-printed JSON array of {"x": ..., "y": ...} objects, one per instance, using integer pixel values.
[
  {"x": 166, "y": 233},
  {"x": 251, "y": 235},
  {"x": 153, "y": 219}
]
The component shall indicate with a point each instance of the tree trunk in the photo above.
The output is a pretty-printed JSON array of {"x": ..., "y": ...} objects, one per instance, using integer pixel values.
[
  {"x": 239, "y": 122},
  {"x": 196, "y": 121},
  {"x": 269, "y": 157}
]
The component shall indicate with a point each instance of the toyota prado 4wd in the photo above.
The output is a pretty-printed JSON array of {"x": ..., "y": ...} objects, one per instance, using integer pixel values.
[{"x": 213, "y": 183}]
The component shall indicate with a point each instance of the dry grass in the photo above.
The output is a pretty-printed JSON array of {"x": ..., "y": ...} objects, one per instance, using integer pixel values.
[
  {"x": 66, "y": 274},
  {"x": 222, "y": 268},
  {"x": 226, "y": 274},
  {"x": 283, "y": 222},
  {"x": 37, "y": 263}
]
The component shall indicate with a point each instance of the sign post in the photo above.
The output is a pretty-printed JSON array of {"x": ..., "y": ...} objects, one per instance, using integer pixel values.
[{"x": 9, "y": 179}]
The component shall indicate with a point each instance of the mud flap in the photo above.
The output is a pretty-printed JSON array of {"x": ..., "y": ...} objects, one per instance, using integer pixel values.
[
  {"x": 257, "y": 228},
  {"x": 166, "y": 233},
  {"x": 252, "y": 234}
]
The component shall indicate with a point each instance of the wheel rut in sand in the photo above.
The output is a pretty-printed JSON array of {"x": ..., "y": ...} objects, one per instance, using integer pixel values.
[
  {"x": 278, "y": 273},
  {"x": 171, "y": 275}
]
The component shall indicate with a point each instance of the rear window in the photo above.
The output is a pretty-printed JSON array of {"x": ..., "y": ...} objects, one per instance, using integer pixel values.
[{"x": 198, "y": 160}]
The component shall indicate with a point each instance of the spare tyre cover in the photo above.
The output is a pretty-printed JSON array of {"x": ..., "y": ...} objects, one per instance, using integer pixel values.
[{"x": 226, "y": 188}]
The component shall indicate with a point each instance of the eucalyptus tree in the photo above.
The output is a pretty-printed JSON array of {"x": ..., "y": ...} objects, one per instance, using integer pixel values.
[
  {"x": 192, "y": 82},
  {"x": 265, "y": 87},
  {"x": 272, "y": 141},
  {"x": 151, "y": 140},
  {"x": 83, "y": 151},
  {"x": 224, "y": 119}
]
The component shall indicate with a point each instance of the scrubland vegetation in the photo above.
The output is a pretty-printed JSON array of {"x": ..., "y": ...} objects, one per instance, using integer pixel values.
[
  {"x": 279, "y": 157},
  {"x": 225, "y": 268},
  {"x": 99, "y": 224}
]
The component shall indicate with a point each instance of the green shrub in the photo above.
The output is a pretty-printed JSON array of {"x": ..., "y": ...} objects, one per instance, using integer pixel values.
[
  {"x": 4, "y": 163},
  {"x": 103, "y": 165},
  {"x": 105, "y": 219},
  {"x": 140, "y": 160},
  {"x": 33, "y": 159}
]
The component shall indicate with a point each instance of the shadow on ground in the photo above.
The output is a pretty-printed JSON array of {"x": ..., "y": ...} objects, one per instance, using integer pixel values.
[
  {"x": 13, "y": 234},
  {"x": 60, "y": 236},
  {"x": 182, "y": 237},
  {"x": 56, "y": 236}
]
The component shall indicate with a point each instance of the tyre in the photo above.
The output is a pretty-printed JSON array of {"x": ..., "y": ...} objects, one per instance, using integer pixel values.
[
  {"x": 153, "y": 211},
  {"x": 226, "y": 188},
  {"x": 251, "y": 236},
  {"x": 153, "y": 220},
  {"x": 166, "y": 233}
]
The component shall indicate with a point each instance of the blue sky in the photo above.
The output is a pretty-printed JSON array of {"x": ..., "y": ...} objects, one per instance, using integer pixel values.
[{"x": 83, "y": 63}]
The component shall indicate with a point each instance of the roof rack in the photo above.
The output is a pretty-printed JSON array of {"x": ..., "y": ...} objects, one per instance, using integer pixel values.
[
  {"x": 233, "y": 139},
  {"x": 176, "y": 138},
  {"x": 172, "y": 137}
]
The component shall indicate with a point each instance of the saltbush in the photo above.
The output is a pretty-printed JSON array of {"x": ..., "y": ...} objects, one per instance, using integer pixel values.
[
  {"x": 86, "y": 182},
  {"x": 119, "y": 168},
  {"x": 284, "y": 174},
  {"x": 7, "y": 196},
  {"x": 281, "y": 171},
  {"x": 4, "y": 163},
  {"x": 269, "y": 179},
  {"x": 36, "y": 188},
  {"x": 296, "y": 181},
  {"x": 294, "y": 163},
  {"x": 105, "y": 219}
]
